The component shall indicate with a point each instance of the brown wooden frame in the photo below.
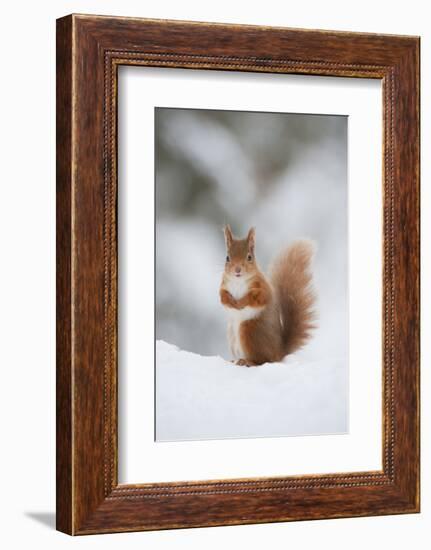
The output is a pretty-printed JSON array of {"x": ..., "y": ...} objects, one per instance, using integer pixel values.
[{"x": 89, "y": 51}]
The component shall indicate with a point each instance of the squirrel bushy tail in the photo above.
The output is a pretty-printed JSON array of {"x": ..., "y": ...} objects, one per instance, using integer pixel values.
[{"x": 291, "y": 278}]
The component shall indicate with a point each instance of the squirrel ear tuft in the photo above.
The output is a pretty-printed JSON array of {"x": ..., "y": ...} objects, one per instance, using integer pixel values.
[
  {"x": 228, "y": 236},
  {"x": 251, "y": 239}
]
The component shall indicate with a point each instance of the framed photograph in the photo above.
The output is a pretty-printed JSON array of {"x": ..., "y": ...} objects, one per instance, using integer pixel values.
[{"x": 237, "y": 274}]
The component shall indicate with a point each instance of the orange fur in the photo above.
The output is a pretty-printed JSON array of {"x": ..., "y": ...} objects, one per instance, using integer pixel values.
[
  {"x": 292, "y": 279},
  {"x": 269, "y": 318},
  {"x": 226, "y": 298}
]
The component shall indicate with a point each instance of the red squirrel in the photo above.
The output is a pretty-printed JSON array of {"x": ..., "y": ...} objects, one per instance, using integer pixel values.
[{"x": 272, "y": 317}]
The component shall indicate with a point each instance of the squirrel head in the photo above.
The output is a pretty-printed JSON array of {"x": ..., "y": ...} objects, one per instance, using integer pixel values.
[{"x": 240, "y": 257}]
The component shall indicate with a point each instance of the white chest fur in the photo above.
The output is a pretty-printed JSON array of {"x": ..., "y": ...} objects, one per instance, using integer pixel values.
[{"x": 238, "y": 288}]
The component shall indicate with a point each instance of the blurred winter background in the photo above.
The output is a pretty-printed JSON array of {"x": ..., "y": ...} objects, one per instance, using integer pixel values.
[{"x": 286, "y": 175}]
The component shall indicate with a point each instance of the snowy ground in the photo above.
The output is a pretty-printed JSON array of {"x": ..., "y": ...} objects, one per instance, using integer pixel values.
[{"x": 209, "y": 398}]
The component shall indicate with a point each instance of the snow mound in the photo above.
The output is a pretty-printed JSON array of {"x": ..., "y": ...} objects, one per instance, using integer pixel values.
[{"x": 201, "y": 397}]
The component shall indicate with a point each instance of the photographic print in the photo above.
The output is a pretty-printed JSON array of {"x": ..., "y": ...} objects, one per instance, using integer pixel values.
[
  {"x": 237, "y": 235},
  {"x": 251, "y": 274}
]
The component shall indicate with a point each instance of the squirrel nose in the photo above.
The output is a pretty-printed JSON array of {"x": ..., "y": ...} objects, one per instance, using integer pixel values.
[{"x": 238, "y": 269}]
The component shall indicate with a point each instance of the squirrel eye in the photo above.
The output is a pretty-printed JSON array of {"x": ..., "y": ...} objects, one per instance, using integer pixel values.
[
  {"x": 227, "y": 258},
  {"x": 249, "y": 258}
]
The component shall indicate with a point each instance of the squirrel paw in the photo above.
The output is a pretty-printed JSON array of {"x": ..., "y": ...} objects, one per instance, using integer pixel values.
[{"x": 245, "y": 363}]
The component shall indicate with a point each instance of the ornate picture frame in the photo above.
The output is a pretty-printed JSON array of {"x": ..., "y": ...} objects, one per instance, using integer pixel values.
[{"x": 89, "y": 51}]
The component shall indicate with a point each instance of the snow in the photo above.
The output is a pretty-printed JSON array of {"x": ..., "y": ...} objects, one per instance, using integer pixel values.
[{"x": 201, "y": 397}]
